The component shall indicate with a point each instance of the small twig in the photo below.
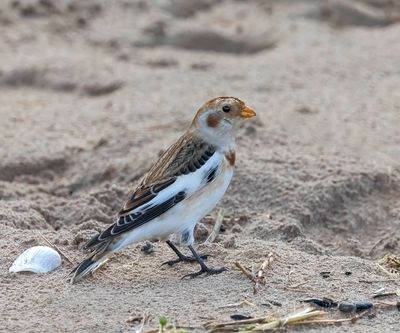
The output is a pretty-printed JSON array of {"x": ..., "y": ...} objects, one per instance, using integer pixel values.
[
  {"x": 298, "y": 285},
  {"x": 393, "y": 293},
  {"x": 265, "y": 323},
  {"x": 270, "y": 302},
  {"x": 394, "y": 263},
  {"x": 267, "y": 263},
  {"x": 186, "y": 328},
  {"x": 233, "y": 305},
  {"x": 334, "y": 321},
  {"x": 379, "y": 281},
  {"x": 296, "y": 318},
  {"x": 56, "y": 247},
  {"x": 143, "y": 321},
  {"x": 217, "y": 226},
  {"x": 245, "y": 271},
  {"x": 381, "y": 304},
  {"x": 380, "y": 290},
  {"x": 260, "y": 279},
  {"x": 306, "y": 316},
  {"x": 383, "y": 269}
]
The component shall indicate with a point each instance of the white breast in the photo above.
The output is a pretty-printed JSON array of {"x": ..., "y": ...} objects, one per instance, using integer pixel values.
[{"x": 204, "y": 200}]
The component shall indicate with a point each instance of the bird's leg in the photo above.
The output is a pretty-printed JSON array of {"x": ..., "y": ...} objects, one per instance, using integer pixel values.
[
  {"x": 204, "y": 269},
  {"x": 181, "y": 256}
]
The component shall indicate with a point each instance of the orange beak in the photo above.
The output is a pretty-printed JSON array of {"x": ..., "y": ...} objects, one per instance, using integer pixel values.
[{"x": 247, "y": 112}]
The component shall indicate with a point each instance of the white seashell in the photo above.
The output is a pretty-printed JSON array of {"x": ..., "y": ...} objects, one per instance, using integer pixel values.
[{"x": 37, "y": 259}]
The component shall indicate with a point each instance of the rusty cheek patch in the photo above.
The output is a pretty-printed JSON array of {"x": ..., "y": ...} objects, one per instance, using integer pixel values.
[
  {"x": 213, "y": 120},
  {"x": 231, "y": 157}
]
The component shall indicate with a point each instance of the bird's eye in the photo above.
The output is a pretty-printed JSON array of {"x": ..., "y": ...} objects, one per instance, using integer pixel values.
[{"x": 226, "y": 108}]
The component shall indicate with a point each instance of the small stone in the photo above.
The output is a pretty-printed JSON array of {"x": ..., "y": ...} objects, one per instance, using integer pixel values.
[
  {"x": 361, "y": 306},
  {"x": 347, "y": 307},
  {"x": 325, "y": 275}
]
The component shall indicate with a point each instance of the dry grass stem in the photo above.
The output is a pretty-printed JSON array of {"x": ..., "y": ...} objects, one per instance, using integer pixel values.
[
  {"x": 304, "y": 316},
  {"x": 144, "y": 320},
  {"x": 217, "y": 226},
  {"x": 334, "y": 321},
  {"x": 387, "y": 294},
  {"x": 393, "y": 262},
  {"x": 55, "y": 247},
  {"x": 383, "y": 269},
  {"x": 233, "y": 305},
  {"x": 264, "y": 324},
  {"x": 388, "y": 305},
  {"x": 378, "y": 281},
  {"x": 298, "y": 285},
  {"x": 245, "y": 271},
  {"x": 258, "y": 279}
]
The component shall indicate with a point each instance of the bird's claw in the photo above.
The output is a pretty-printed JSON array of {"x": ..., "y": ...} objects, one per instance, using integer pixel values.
[
  {"x": 184, "y": 259},
  {"x": 205, "y": 270}
]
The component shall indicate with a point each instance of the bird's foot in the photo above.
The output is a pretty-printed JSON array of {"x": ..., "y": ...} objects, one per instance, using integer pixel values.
[
  {"x": 184, "y": 259},
  {"x": 205, "y": 270}
]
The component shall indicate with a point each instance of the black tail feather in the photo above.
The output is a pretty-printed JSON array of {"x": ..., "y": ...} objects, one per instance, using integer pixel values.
[{"x": 91, "y": 263}]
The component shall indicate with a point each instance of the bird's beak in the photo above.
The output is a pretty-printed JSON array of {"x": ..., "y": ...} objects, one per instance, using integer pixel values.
[{"x": 247, "y": 112}]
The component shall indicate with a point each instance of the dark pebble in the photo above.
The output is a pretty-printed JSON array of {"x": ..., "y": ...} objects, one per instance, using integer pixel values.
[
  {"x": 325, "y": 302},
  {"x": 240, "y": 317},
  {"x": 325, "y": 274},
  {"x": 363, "y": 306},
  {"x": 347, "y": 307}
]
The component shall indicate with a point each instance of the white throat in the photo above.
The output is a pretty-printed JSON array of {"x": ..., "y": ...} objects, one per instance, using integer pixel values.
[{"x": 223, "y": 136}]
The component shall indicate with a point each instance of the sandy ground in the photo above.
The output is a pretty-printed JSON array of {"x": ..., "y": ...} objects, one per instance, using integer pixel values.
[{"x": 92, "y": 91}]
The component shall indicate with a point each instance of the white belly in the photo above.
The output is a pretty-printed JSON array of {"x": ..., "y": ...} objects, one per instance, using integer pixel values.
[{"x": 184, "y": 215}]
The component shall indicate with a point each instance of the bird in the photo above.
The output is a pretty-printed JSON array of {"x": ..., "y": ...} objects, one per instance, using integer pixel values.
[{"x": 183, "y": 186}]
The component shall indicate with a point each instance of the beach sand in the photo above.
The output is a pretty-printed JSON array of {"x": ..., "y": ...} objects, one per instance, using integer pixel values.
[{"x": 91, "y": 92}]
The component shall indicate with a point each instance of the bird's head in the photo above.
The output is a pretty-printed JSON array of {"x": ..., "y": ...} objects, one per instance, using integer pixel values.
[{"x": 218, "y": 120}]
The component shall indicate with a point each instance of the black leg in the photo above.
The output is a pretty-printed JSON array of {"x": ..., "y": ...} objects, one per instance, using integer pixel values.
[
  {"x": 203, "y": 268},
  {"x": 181, "y": 256}
]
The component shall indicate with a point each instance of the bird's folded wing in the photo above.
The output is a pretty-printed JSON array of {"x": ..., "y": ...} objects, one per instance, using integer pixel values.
[
  {"x": 187, "y": 155},
  {"x": 159, "y": 190},
  {"x": 145, "y": 204}
]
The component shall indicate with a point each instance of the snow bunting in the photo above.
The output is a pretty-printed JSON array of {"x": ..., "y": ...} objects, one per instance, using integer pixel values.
[{"x": 182, "y": 187}]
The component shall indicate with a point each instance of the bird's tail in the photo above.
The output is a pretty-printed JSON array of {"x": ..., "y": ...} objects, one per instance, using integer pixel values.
[{"x": 97, "y": 258}]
